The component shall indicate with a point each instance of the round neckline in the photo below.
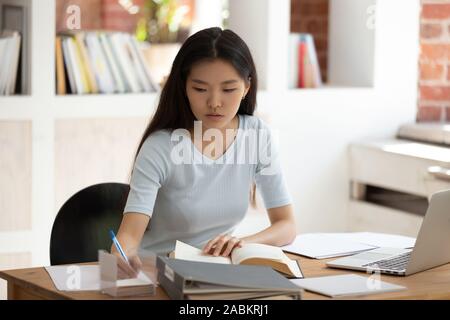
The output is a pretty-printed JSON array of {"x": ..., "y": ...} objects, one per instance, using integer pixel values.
[{"x": 227, "y": 152}]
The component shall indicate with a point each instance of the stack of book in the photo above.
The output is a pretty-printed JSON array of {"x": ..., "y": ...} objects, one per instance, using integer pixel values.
[
  {"x": 192, "y": 280},
  {"x": 101, "y": 62},
  {"x": 304, "y": 70},
  {"x": 10, "y": 42}
]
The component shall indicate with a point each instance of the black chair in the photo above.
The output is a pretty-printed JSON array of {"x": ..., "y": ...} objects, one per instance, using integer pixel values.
[{"x": 82, "y": 225}]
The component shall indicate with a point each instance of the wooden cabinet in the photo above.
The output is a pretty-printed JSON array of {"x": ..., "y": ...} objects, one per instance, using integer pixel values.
[{"x": 391, "y": 182}]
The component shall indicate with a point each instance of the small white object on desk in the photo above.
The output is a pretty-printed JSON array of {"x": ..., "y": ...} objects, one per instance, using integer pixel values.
[
  {"x": 87, "y": 278},
  {"x": 75, "y": 277},
  {"x": 346, "y": 285},
  {"x": 110, "y": 284}
]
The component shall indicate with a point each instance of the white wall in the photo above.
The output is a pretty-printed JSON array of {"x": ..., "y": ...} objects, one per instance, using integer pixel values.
[
  {"x": 208, "y": 13},
  {"x": 317, "y": 126},
  {"x": 351, "y": 42}
]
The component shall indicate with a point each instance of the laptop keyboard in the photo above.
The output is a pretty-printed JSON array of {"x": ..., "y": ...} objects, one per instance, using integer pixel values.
[{"x": 395, "y": 263}]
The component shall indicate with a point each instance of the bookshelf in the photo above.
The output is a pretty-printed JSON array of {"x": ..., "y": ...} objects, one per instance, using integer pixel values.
[
  {"x": 15, "y": 15},
  {"x": 73, "y": 141}
]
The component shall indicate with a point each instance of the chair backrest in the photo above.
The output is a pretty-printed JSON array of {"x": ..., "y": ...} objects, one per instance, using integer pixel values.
[{"x": 82, "y": 225}]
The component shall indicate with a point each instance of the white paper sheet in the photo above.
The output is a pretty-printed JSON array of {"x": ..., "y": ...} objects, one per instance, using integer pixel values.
[
  {"x": 86, "y": 278},
  {"x": 319, "y": 247},
  {"x": 327, "y": 245},
  {"x": 75, "y": 278},
  {"x": 378, "y": 239}
]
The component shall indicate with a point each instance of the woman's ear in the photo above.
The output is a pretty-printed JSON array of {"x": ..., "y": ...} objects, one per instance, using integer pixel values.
[{"x": 247, "y": 85}]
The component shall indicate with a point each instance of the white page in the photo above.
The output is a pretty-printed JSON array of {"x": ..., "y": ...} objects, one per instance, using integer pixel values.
[
  {"x": 140, "y": 280},
  {"x": 75, "y": 278},
  {"x": 257, "y": 250},
  {"x": 315, "y": 245},
  {"x": 183, "y": 251},
  {"x": 383, "y": 240},
  {"x": 346, "y": 285},
  {"x": 372, "y": 239}
]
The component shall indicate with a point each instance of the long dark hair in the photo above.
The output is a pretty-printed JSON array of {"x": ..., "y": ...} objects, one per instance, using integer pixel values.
[{"x": 174, "y": 111}]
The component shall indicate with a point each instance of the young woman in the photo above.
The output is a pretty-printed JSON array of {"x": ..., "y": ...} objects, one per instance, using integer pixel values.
[{"x": 200, "y": 196}]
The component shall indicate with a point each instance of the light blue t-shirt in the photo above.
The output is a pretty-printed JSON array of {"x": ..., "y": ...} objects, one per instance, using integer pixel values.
[{"x": 193, "y": 198}]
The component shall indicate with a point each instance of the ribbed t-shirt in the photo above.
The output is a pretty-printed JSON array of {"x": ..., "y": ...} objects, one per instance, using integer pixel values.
[{"x": 193, "y": 198}]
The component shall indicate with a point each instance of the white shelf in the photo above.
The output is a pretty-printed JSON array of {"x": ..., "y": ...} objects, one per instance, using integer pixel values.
[
  {"x": 113, "y": 105},
  {"x": 82, "y": 106},
  {"x": 17, "y": 107},
  {"x": 144, "y": 104}
]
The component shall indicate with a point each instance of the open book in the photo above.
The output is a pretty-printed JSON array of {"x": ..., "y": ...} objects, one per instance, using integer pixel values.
[{"x": 250, "y": 254}]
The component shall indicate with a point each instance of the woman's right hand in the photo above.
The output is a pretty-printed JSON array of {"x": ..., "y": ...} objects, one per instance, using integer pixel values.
[
  {"x": 129, "y": 236},
  {"x": 127, "y": 270}
]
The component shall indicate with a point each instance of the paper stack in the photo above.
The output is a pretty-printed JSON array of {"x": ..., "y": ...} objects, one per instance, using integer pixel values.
[
  {"x": 124, "y": 287},
  {"x": 329, "y": 245}
]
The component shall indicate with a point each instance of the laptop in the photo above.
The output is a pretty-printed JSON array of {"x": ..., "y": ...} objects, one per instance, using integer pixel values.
[{"x": 432, "y": 247}]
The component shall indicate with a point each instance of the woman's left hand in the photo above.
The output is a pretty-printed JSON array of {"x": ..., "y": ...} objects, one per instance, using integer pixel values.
[{"x": 222, "y": 245}]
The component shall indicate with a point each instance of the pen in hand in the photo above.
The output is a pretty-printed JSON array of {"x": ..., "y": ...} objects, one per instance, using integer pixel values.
[
  {"x": 118, "y": 246},
  {"x": 126, "y": 267}
]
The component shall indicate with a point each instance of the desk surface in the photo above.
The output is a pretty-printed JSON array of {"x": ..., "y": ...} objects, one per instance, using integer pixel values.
[{"x": 35, "y": 283}]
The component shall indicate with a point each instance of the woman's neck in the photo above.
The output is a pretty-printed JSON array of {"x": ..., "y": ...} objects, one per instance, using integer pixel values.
[
  {"x": 219, "y": 144},
  {"x": 232, "y": 125}
]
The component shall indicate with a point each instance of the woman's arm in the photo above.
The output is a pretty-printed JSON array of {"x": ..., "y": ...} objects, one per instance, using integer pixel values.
[
  {"x": 130, "y": 234},
  {"x": 282, "y": 231}
]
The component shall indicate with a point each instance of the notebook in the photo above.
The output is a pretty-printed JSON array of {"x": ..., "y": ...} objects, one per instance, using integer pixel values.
[
  {"x": 346, "y": 285},
  {"x": 110, "y": 284}
]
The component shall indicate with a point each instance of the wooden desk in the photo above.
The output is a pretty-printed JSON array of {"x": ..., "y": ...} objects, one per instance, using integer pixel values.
[{"x": 35, "y": 283}]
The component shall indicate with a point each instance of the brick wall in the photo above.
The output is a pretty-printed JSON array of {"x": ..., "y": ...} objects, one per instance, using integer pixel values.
[
  {"x": 108, "y": 14},
  {"x": 311, "y": 16},
  {"x": 115, "y": 17},
  {"x": 434, "y": 62},
  {"x": 89, "y": 13},
  {"x": 98, "y": 14}
]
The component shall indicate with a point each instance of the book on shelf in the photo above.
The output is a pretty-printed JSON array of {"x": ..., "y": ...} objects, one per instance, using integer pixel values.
[
  {"x": 59, "y": 67},
  {"x": 86, "y": 65},
  {"x": 248, "y": 254},
  {"x": 101, "y": 62},
  {"x": 10, "y": 42},
  {"x": 193, "y": 280},
  {"x": 14, "y": 46},
  {"x": 304, "y": 71},
  {"x": 112, "y": 67}
]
